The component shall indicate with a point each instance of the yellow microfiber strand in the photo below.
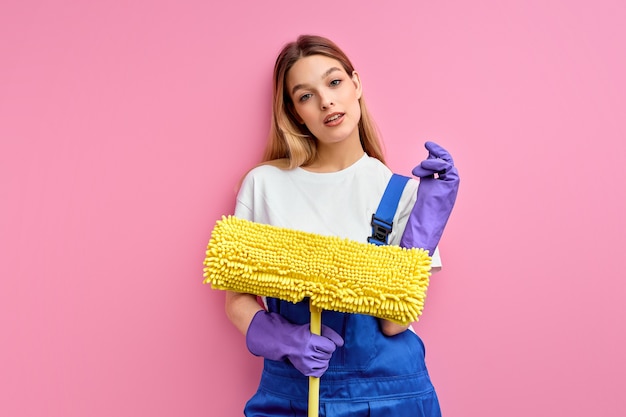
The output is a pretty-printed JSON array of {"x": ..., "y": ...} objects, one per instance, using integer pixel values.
[{"x": 337, "y": 274}]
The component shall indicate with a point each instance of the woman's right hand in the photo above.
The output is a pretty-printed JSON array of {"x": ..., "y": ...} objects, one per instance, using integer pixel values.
[{"x": 273, "y": 337}]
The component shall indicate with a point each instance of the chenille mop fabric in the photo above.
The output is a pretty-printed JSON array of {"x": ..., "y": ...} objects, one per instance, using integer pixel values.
[{"x": 336, "y": 274}]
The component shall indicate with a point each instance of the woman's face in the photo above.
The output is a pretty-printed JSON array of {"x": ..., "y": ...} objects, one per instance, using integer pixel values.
[{"x": 325, "y": 98}]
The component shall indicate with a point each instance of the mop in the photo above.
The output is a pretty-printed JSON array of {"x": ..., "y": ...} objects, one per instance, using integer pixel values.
[{"x": 337, "y": 274}]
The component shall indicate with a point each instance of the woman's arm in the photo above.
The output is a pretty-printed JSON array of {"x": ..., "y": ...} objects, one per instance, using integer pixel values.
[
  {"x": 240, "y": 309},
  {"x": 389, "y": 328}
]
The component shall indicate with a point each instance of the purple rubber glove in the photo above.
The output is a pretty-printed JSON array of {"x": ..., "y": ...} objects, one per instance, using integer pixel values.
[
  {"x": 271, "y": 336},
  {"x": 435, "y": 199}
]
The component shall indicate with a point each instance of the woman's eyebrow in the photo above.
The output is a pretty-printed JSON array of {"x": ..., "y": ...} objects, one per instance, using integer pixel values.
[{"x": 324, "y": 75}]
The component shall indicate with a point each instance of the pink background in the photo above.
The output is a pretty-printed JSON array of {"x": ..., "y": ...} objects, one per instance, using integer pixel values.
[{"x": 125, "y": 127}]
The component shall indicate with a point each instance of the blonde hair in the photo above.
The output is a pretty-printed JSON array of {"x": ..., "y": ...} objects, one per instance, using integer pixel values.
[{"x": 288, "y": 139}]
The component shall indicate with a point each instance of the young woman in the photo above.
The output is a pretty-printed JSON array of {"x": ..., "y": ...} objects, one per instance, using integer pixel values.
[{"x": 324, "y": 172}]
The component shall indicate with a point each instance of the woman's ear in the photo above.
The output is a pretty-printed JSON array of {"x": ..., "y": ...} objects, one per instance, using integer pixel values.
[{"x": 357, "y": 84}]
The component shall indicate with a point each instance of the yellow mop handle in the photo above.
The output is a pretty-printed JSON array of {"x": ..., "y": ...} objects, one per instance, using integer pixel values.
[{"x": 314, "y": 382}]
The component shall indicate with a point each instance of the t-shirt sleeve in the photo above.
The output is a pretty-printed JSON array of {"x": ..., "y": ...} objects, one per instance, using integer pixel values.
[
  {"x": 407, "y": 201},
  {"x": 245, "y": 199},
  {"x": 436, "y": 260}
]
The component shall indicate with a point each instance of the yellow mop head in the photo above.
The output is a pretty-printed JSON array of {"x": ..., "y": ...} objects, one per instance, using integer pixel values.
[{"x": 337, "y": 274}]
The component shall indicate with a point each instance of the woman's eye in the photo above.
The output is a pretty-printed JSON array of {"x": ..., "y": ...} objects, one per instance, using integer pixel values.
[
  {"x": 335, "y": 83},
  {"x": 305, "y": 97}
]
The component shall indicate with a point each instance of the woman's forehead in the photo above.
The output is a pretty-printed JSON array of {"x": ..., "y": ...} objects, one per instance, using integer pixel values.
[{"x": 312, "y": 69}]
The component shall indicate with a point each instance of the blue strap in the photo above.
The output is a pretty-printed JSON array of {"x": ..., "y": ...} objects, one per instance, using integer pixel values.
[{"x": 382, "y": 220}]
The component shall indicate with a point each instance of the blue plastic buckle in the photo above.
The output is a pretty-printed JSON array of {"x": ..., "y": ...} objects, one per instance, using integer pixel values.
[{"x": 380, "y": 231}]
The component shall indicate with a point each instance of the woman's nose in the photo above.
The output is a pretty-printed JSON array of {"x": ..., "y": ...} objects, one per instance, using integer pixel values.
[{"x": 326, "y": 101}]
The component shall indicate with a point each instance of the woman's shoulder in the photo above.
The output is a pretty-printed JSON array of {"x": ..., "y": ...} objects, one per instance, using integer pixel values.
[
  {"x": 282, "y": 163},
  {"x": 268, "y": 171},
  {"x": 375, "y": 169},
  {"x": 268, "y": 167},
  {"x": 383, "y": 172}
]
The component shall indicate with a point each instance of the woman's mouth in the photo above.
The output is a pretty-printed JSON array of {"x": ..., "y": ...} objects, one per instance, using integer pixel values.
[{"x": 334, "y": 119}]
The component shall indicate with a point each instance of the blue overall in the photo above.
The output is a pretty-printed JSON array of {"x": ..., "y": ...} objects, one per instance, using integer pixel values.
[{"x": 372, "y": 375}]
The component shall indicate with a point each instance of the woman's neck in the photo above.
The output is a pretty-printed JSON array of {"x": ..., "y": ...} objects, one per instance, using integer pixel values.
[{"x": 335, "y": 157}]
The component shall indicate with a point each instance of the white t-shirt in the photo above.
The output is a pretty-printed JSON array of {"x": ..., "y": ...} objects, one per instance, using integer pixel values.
[{"x": 332, "y": 204}]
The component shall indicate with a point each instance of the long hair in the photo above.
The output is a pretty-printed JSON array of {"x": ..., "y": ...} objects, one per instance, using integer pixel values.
[{"x": 291, "y": 140}]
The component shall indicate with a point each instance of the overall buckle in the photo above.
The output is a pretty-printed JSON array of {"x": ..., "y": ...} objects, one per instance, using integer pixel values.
[{"x": 380, "y": 231}]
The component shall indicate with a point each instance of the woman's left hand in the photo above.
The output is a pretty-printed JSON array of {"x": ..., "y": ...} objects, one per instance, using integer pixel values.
[{"x": 435, "y": 199}]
